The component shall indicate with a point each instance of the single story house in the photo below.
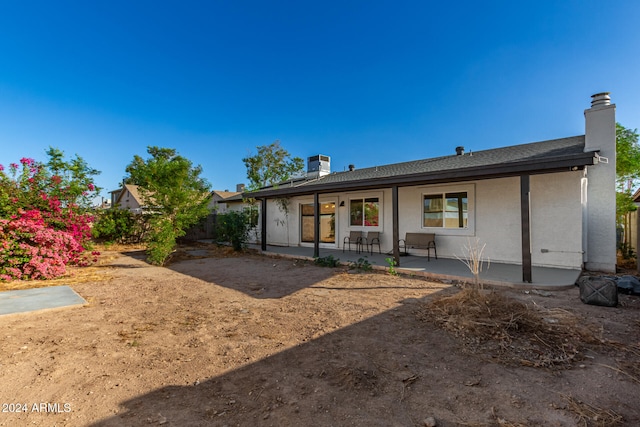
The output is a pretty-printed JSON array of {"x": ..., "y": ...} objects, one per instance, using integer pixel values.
[
  {"x": 223, "y": 201},
  {"x": 127, "y": 197},
  {"x": 548, "y": 203}
]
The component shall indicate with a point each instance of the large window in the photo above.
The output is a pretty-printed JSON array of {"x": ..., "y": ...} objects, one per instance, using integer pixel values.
[
  {"x": 364, "y": 212},
  {"x": 446, "y": 210}
]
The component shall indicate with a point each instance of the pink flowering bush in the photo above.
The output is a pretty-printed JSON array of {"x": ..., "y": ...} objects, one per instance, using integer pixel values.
[{"x": 44, "y": 218}]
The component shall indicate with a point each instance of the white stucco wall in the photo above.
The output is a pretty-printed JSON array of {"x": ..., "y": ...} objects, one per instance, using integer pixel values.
[
  {"x": 494, "y": 217},
  {"x": 279, "y": 224},
  {"x": 600, "y": 134},
  {"x": 498, "y": 219},
  {"x": 556, "y": 220}
]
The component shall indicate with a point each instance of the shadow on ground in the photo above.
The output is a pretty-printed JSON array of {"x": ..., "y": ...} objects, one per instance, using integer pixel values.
[
  {"x": 388, "y": 370},
  {"x": 240, "y": 274}
]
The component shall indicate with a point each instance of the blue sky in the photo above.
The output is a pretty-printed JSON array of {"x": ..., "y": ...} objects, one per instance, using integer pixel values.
[{"x": 365, "y": 82}]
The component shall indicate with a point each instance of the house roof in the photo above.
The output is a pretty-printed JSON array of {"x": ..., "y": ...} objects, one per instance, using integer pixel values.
[
  {"x": 133, "y": 190},
  {"x": 533, "y": 158},
  {"x": 225, "y": 195},
  {"x": 238, "y": 197}
]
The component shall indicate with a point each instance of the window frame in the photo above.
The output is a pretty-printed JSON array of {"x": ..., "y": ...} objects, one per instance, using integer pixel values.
[
  {"x": 362, "y": 197},
  {"x": 469, "y": 189}
]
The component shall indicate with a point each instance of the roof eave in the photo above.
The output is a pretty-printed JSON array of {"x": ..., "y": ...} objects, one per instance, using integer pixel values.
[{"x": 542, "y": 166}]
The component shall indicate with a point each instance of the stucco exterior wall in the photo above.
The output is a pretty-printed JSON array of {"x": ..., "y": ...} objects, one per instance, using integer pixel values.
[
  {"x": 556, "y": 220},
  {"x": 494, "y": 217},
  {"x": 283, "y": 229},
  {"x": 449, "y": 241}
]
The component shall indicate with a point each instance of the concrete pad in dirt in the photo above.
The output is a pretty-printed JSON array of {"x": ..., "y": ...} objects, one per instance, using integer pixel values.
[{"x": 38, "y": 299}]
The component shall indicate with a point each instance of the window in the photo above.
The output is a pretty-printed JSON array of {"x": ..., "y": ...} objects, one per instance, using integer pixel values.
[
  {"x": 446, "y": 210},
  {"x": 364, "y": 212}
]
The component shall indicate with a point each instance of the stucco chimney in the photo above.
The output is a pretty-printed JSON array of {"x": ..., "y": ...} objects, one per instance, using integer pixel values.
[{"x": 599, "y": 199}]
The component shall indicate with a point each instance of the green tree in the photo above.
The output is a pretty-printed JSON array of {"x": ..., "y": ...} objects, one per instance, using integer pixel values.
[
  {"x": 74, "y": 178},
  {"x": 627, "y": 157},
  {"x": 271, "y": 165},
  {"x": 627, "y": 175},
  {"x": 174, "y": 195}
]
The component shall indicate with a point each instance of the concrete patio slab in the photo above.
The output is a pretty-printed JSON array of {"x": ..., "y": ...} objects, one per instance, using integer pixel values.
[
  {"x": 497, "y": 274},
  {"x": 27, "y": 300}
]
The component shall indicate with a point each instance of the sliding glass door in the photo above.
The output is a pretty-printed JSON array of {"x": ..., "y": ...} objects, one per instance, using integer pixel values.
[{"x": 327, "y": 222}]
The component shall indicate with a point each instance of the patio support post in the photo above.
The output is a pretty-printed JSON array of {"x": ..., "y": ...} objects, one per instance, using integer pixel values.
[
  {"x": 525, "y": 209},
  {"x": 263, "y": 224},
  {"x": 396, "y": 230},
  {"x": 316, "y": 226}
]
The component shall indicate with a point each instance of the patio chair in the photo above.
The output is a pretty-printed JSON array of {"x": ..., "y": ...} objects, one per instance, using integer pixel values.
[
  {"x": 373, "y": 238},
  {"x": 354, "y": 237}
]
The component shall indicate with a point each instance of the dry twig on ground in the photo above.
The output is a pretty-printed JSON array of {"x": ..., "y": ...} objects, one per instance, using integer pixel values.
[
  {"x": 589, "y": 415},
  {"x": 510, "y": 331}
]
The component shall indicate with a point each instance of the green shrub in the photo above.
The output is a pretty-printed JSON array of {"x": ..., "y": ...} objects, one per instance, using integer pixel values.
[
  {"x": 114, "y": 225},
  {"x": 234, "y": 227},
  {"x": 161, "y": 242}
]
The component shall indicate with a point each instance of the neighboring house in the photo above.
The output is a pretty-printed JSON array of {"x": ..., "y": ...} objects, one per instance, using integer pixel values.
[
  {"x": 549, "y": 203},
  {"x": 223, "y": 201},
  {"x": 128, "y": 198},
  {"x": 220, "y": 202},
  {"x": 236, "y": 201}
]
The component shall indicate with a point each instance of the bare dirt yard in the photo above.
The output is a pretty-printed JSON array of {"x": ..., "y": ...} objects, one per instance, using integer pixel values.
[{"x": 219, "y": 339}]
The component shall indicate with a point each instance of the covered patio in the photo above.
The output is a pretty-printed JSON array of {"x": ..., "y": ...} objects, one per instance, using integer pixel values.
[{"x": 497, "y": 274}]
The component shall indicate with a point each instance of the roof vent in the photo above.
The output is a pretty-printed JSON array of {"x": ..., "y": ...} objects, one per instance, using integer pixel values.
[
  {"x": 459, "y": 150},
  {"x": 600, "y": 99},
  {"x": 352, "y": 168}
]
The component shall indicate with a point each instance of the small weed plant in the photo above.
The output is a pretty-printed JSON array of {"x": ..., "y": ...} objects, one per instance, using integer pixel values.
[
  {"x": 327, "y": 261},
  {"x": 392, "y": 266},
  {"x": 362, "y": 264}
]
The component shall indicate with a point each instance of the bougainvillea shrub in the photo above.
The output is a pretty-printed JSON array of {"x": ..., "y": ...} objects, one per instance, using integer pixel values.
[{"x": 45, "y": 221}]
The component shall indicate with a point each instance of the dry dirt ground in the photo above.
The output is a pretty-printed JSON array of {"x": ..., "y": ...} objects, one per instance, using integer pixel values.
[{"x": 246, "y": 340}]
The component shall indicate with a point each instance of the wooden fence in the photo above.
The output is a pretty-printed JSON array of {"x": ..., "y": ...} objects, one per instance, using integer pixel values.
[{"x": 205, "y": 229}]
